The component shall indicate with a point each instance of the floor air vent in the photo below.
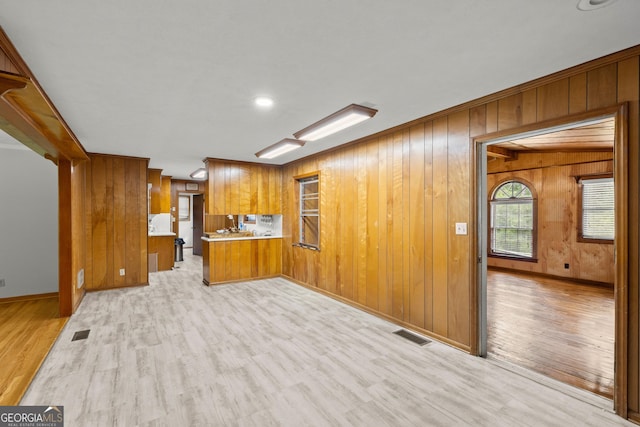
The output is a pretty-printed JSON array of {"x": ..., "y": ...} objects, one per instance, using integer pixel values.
[
  {"x": 81, "y": 335},
  {"x": 411, "y": 337}
]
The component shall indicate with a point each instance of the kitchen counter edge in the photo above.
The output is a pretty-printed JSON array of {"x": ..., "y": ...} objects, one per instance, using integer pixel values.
[{"x": 231, "y": 239}]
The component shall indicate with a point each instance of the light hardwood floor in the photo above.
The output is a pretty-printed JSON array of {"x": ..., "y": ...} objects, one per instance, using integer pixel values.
[
  {"x": 267, "y": 353},
  {"x": 560, "y": 328},
  {"x": 28, "y": 329}
]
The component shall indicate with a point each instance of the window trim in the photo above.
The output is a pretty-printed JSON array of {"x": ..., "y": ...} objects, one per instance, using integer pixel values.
[
  {"x": 534, "y": 230},
  {"x": 299, "y": 187},
  {"x": 579, "y": 236}
]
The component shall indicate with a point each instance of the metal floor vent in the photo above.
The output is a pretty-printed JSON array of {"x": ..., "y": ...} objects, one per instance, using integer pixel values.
[
  {"x": 81, "y": 335},
  {"x": 411, "y": 337}
]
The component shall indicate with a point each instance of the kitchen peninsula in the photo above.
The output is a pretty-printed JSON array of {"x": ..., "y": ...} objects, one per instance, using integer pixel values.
[{"x": 252, "y": 250}]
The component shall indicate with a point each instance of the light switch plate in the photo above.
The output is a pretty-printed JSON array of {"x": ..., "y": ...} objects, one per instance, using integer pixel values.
[
  {"x": 80, "y": 278},
  {"x": 461, "y": 228}
]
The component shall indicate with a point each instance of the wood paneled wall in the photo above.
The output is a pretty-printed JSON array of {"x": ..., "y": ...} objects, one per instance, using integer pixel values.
[
  {"x": 557, "y": 220},
  {"x": 80, "y": 225},
  {"x": 71, "y": 228},
  {"x": 116, "y": 195},
  {"x": 390, "y": 203},
  {"x": 242, "y": 188},
  {"x": 388, "y": 209}
]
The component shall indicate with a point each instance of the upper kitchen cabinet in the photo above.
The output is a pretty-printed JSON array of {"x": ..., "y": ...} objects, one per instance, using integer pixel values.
[
  {"x": 234, "y": 187},
  {"x": 155, "y": 191},
  {"x": 159, "y": 192},
  {"x": 165, "y": 194}
]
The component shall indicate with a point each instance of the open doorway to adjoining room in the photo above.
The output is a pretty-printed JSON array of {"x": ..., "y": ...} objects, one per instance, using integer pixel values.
[{"x": 552, "y": 205}]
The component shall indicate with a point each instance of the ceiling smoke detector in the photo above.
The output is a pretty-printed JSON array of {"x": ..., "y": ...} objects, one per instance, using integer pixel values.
[{"x": 586, "y": 5}]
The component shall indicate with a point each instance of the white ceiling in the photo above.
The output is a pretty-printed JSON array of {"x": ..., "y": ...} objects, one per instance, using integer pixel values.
[{"x": 174, "y": 80}]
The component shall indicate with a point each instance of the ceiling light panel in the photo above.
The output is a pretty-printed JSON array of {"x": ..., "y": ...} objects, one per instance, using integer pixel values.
[
  {"x": 586, "y": 5},
  {"x": 279, "y": 148},
  {"x": 348, "y": 116},
  {"x": 199, "y": 174}
]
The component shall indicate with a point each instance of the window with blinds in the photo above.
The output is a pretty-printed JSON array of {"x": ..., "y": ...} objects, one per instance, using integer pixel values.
[
  {"x": 512, "y": 221},
  {"x": 597, "y": 209},
  {"x": 310, "y": 211}
]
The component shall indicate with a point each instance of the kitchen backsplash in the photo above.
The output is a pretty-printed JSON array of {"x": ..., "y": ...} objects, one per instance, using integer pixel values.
[{"x": 160, "y": 223}]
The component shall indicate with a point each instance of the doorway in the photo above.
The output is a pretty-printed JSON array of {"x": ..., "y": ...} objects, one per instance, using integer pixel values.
[
  {"x": 198, "y": 223},
  {"x": 506, "y": 144},
  {"x": 191, "y": 220}
]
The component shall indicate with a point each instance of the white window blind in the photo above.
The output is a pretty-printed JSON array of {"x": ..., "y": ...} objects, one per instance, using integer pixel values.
[
  {"x": 512, "y": 227},
  {"x": 598, "y": 209}
]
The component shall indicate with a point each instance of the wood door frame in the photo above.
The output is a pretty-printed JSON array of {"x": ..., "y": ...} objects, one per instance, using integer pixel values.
[{"x": 621, "y": 290}]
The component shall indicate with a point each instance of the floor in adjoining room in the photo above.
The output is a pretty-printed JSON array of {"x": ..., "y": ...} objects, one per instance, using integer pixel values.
[
  {"x": 28, "y": 329},
  {"x": 269, "y": 352},
  {"x": 558, "y": 327}
]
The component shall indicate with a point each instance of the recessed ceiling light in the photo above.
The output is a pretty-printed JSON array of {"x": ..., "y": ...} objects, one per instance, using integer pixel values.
[
  {"x": 586, "y": 5},
  {"x": 264, "y": 102}
]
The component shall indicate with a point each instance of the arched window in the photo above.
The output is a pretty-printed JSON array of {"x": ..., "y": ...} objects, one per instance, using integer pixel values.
[{"x": 512, "y": 228}]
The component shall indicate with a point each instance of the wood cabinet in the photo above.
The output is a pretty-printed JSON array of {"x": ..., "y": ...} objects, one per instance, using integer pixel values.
[
  {"x": 233, "y": 260},
  {"x": 165, "y": 194},
  {"x": 241, "y": 187},
  {"x": 163, "y": 246},
  {"x": 155, "y": 179},
  {"x": 159, "y": 193}
]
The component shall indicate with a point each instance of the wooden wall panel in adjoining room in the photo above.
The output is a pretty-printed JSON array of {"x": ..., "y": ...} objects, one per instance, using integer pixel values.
[
  {"x": 116, "y": 202},
  {"x": 557, "y": 197},
  {"x": 390, "y": 203}
]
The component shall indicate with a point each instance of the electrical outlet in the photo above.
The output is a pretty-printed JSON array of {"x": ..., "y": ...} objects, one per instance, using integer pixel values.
[
  {"x": 2, "y": 283},
  {"x": 461, "y": 228},
  {"x": 122, "y": 271},
  {"x": 566, "y": 266}
]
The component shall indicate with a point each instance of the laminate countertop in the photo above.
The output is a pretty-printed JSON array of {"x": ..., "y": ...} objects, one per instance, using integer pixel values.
[{"x": 229, "y": 239}]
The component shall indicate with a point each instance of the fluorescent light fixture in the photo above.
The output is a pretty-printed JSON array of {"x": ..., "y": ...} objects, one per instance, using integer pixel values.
[
  {"x": 587, "y": 5},
  {"x": 336, "y": 122},
  {"x": 279, "y": 148},
  {"x": 199, "y": 174},
  {"x": 264, "y": 102}
]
